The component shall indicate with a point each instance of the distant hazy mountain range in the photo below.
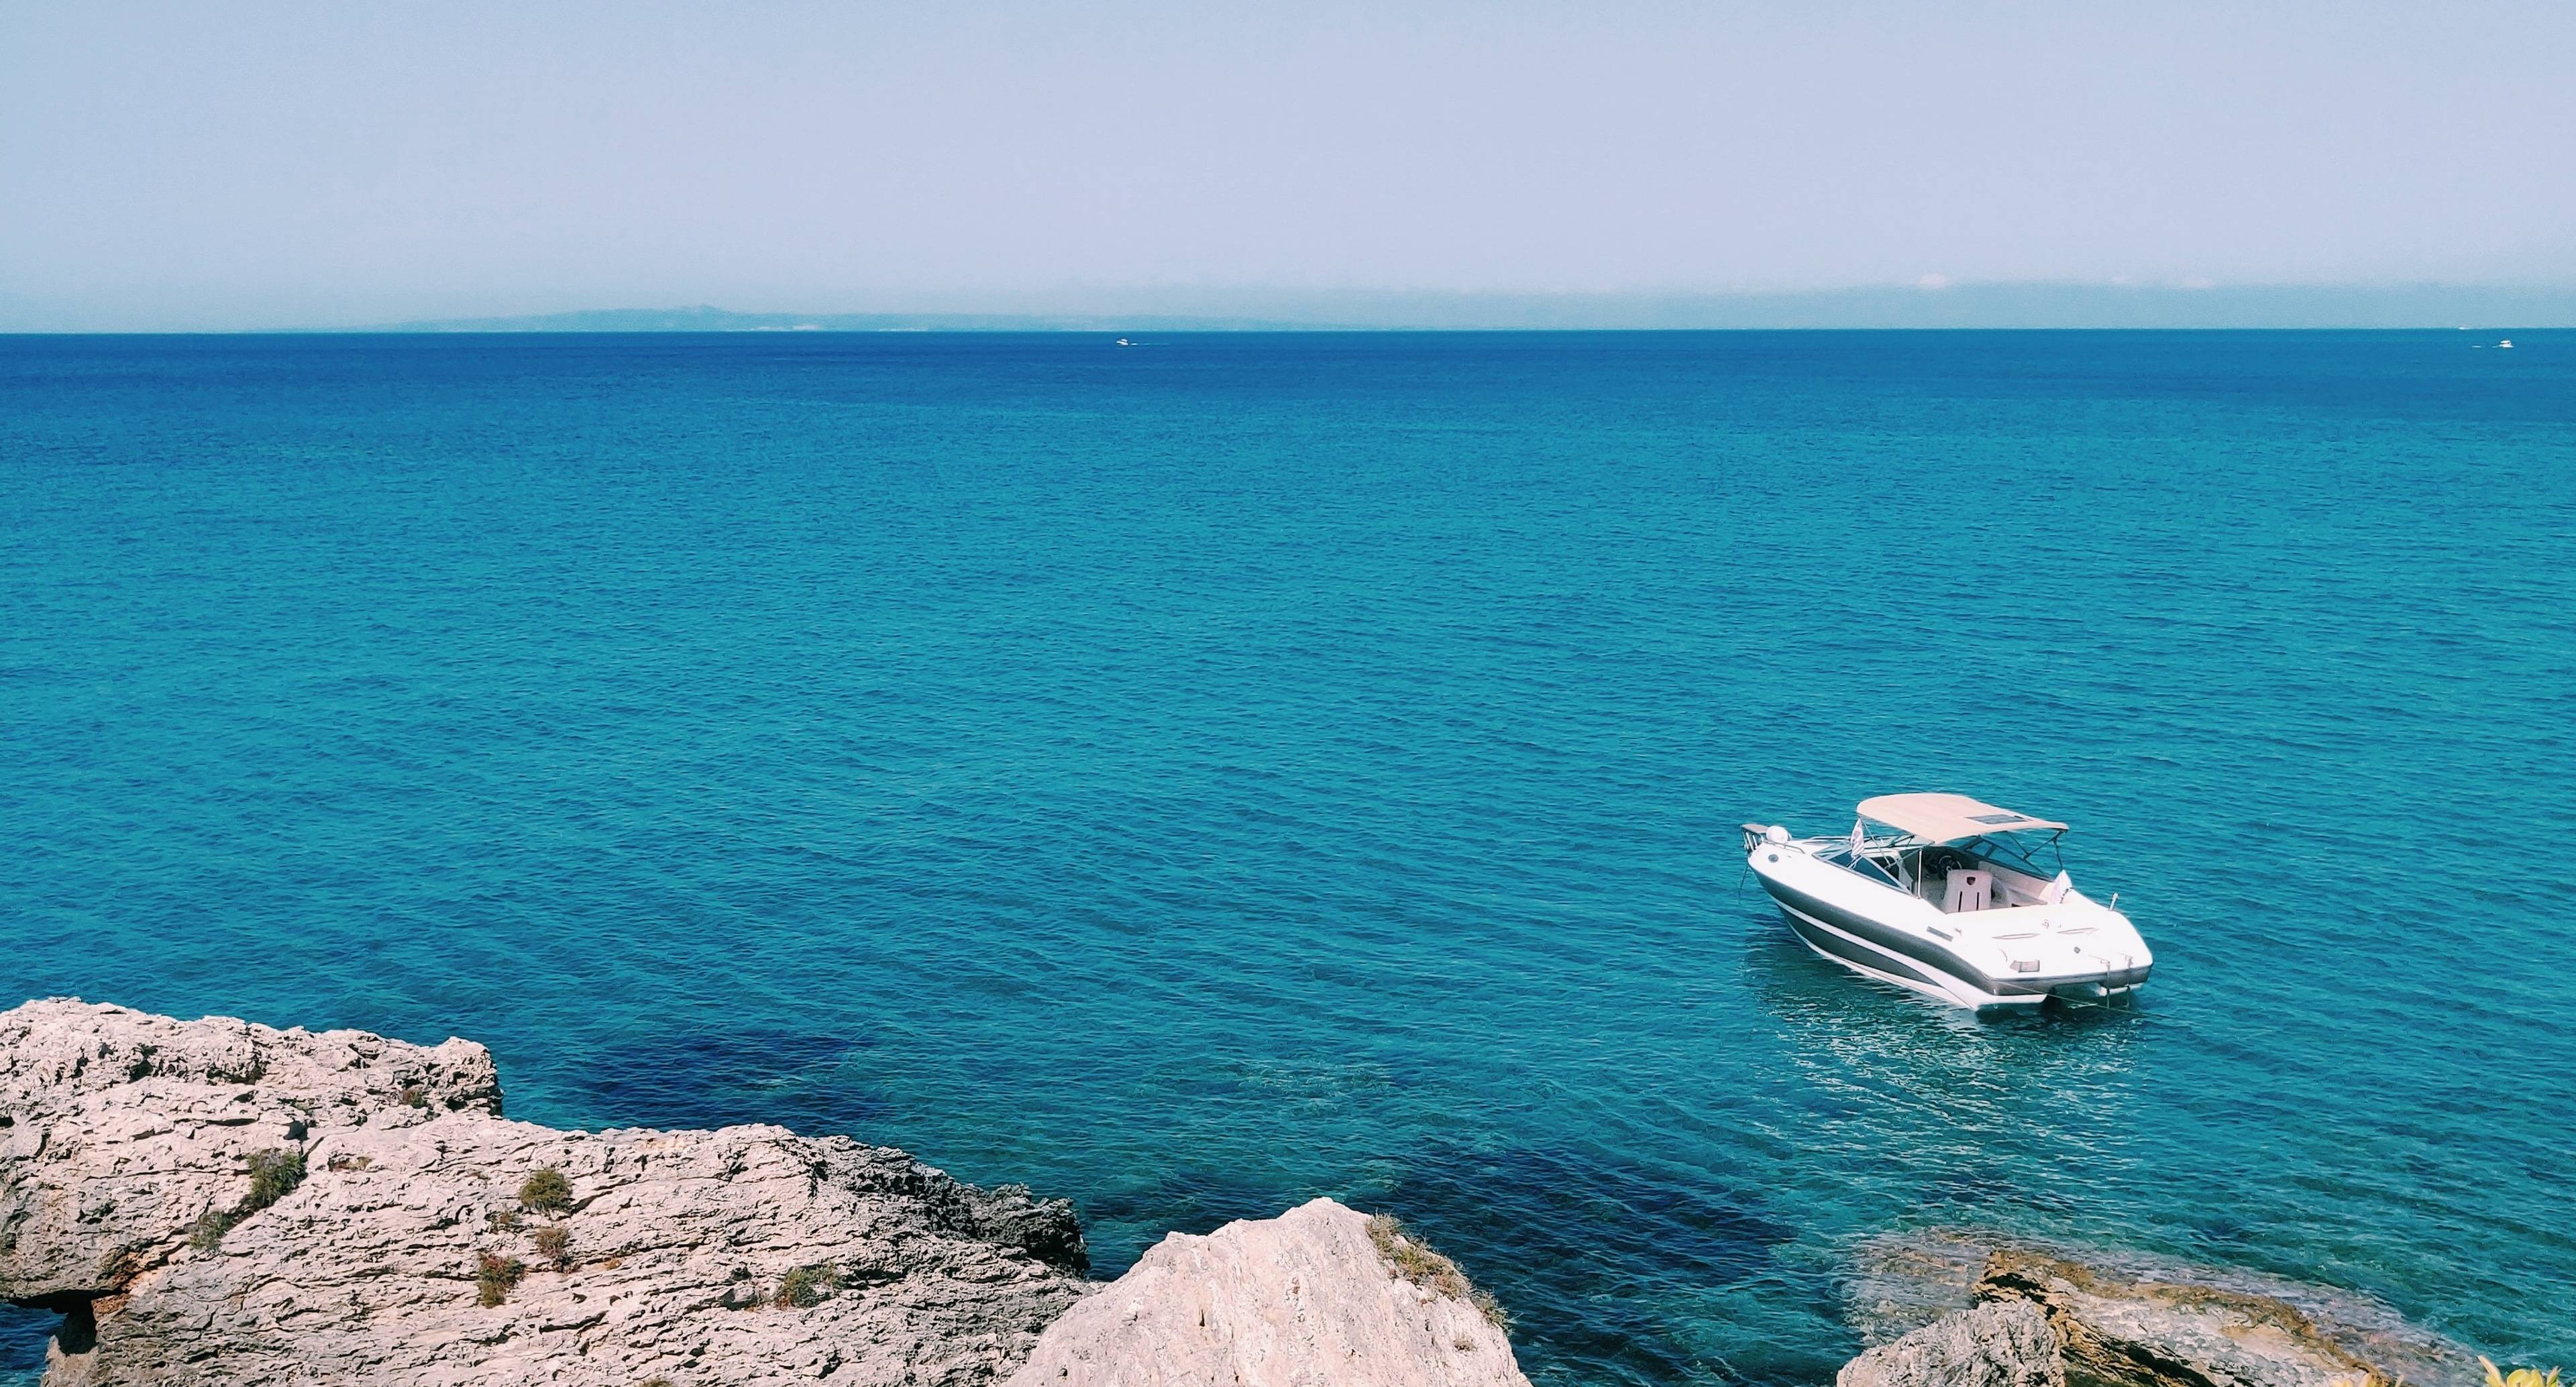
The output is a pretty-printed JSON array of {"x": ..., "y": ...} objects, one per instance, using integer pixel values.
[
  {"x": 1932, "y": 305},
  {"x": 707, "y": 319},
  {"x": 1960, "y": 306}
]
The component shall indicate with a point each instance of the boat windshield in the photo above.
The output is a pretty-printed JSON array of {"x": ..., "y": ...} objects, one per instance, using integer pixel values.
[
  {"x": 1866, "y": 866},
  {"x": 2023, "y": 852}
]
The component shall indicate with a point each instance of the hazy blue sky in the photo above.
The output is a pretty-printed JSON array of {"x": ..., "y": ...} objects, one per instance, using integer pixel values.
[{"x": 254, "y": 163}]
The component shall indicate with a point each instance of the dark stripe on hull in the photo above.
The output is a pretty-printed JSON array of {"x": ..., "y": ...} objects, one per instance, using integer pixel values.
[
  {"x": 1828, "y": 942},
  {"x": 1924, "y": 952},
  {"x": 1929, "y": 958}
]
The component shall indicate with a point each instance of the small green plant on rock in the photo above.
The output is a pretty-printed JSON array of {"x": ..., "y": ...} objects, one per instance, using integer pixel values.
[
  {"x": 207, "y": 1233},
  {"x": 554, "y": 1243},
  {"x": 274, "y": 1174},
  {"x": 546, "y": 1191},
  {"x": 805, "y": 1287},
  {"x": 1417, "y": 1263},
  {"x": 494, "y": 1276}
]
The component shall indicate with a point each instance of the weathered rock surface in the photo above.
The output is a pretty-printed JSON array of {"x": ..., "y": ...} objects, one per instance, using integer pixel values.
[
  {"x": 1303, "y": 1300},
  {"x": 2008, "y": 1344},
  {"x": 122, "y": 1130},
  {"x": 2163, "y": 1334},
  {"x": 117, "y": 1129},
  {"x": 752, "y": 1255},
  {"x": 2144, "y": 1322},
  {"x": 740, "y": 1256}
]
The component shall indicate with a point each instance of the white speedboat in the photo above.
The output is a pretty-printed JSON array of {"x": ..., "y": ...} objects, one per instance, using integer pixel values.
[{"x": 1963, "y": 901}]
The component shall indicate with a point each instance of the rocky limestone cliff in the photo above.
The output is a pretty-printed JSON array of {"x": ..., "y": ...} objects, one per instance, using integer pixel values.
[
  {"x": 1313, "y": 1298},
  {"x": 119, "y": 1129},
  {"x": 2123, "y": 1330},
  {"x": 745, "y": 1255},
  {"x": 2127, "y": 1321},
  {"x": 214, "y": 1202},
  {"x": 2009, "y": 1344}
]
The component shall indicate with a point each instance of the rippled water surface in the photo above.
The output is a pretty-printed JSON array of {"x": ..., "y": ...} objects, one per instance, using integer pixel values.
[{"x": 1197, "y": 777}]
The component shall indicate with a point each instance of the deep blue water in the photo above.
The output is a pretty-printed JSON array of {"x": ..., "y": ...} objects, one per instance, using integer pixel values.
[{"x": 1193, "y": 778}]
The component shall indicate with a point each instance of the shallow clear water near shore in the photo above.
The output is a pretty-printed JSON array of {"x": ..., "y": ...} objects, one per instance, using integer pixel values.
[{"x": 1196, "y": 777}]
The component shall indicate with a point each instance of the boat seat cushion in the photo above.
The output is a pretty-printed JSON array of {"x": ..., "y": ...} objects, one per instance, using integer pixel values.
[{"x": 1967, "y": 891}]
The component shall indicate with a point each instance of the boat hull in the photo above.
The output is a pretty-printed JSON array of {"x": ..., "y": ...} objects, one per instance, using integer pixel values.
[
  {"x": 1871, "y": 961},
  {"x": 1893, "y": 953}
]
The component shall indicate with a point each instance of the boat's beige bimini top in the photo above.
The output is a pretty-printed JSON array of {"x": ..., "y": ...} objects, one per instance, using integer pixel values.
[{"x": 1949, "y": 818}]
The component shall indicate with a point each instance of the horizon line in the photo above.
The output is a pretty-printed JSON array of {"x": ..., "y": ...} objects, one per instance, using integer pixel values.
[{"x": 1994, "y": 305}]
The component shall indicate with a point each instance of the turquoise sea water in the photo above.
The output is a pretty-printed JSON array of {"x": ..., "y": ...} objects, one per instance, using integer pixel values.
[{"x": 1197, "y": 777}]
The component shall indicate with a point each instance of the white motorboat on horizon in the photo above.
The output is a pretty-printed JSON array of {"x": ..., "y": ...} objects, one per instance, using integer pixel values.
[{"x": 1955, "y": 904}]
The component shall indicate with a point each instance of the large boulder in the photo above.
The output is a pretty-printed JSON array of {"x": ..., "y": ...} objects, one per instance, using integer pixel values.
[
  {"x": 213, "y": 1202},
  {"x": 2126, "y": 1320},
  {"x": 118, "y": 1129},
  {"x": 2147, "y": 1332},
  {"x": 2008, "y": 1344},
  {"x": 209, "y": 1202},
  {"x": 1321, "y": 1296}
]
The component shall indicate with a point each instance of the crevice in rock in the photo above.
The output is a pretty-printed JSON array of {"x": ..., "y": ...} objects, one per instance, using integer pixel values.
[{"x": 79, "y": 1331}]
